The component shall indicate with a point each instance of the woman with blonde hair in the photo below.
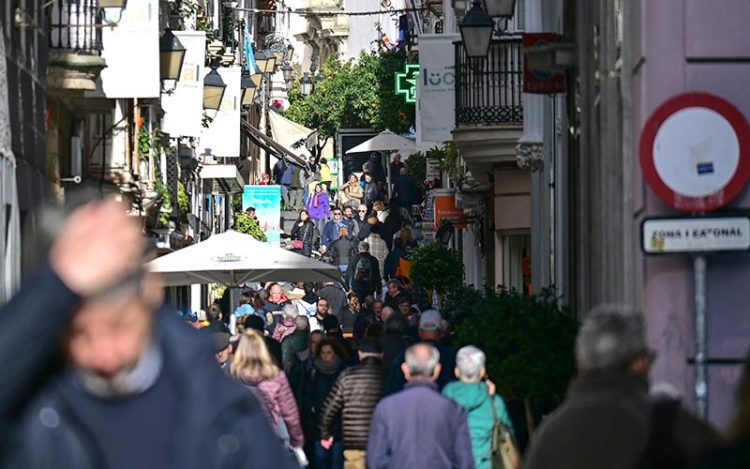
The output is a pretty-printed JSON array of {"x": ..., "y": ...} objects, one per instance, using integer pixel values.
[{"x": 254, "y": 368}]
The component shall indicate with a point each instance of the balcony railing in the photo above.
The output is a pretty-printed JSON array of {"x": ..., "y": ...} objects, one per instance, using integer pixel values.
[
  {"x": 489, "y": 90},
  {"x": 76, "y": 25}
]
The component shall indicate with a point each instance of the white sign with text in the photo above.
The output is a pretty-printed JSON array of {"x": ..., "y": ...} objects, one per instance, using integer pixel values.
[{"x": 675, "y": 235}]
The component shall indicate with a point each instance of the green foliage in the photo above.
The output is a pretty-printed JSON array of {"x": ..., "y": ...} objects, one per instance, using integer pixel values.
[
  {"x": 183, "y": 202},
  {"x": 528, "y": 340},
  {"x": 246, "y": 224},
  {"x": 206, "y": 120},
  {"x": 144, "y": 142},
  {"x": 417, "y": 166},
  {"x": 195, "y": 8},
  {"x": 166, "y": 203},
  {"x": 435, "y": 267},
  {"x": 355, "y": 94}
]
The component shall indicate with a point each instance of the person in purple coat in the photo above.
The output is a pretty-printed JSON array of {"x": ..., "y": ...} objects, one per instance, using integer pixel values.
[{"x": 319, "y": 206}]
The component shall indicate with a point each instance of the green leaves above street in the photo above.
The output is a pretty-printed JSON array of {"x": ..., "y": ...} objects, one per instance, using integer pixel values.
[{"x": 355, "y": 94}]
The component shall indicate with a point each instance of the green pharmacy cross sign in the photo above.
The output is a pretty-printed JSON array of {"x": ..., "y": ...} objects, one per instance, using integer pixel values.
[{"x": 406, "y": 83}]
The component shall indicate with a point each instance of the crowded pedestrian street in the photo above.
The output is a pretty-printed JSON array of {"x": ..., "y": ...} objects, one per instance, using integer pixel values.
[{"x": 374, "y": 234}]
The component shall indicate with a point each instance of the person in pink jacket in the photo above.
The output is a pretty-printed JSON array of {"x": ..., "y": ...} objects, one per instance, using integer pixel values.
[
  {"x": 254, "y": 368},
  {"x": 286, "y": 327}
]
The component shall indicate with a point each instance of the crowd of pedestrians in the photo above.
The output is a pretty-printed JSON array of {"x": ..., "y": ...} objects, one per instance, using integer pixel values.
[{"x": 104, "y": 375}]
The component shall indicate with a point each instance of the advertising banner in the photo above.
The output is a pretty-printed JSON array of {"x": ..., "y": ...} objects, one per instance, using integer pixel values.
[
  {"x": 222, "y": 137},
  {"x": 436, "y": 85},
  {"x": 267, "y": 203},
  {"x": 183, "y": 107},
  {"x": 131, "y": 51},
  {"x": 445, "y": 208}
]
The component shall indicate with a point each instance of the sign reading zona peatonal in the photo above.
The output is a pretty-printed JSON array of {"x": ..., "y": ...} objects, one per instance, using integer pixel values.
[
  {"x": 695, "y": 152},
  {"x": 691, "y": 235}
]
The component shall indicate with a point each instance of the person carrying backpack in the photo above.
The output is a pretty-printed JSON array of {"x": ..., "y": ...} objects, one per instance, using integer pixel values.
[{"x": 363, "y": 273}]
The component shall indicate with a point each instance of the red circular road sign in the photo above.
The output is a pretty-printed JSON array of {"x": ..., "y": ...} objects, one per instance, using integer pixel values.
[{"x": 695, "y": 152}]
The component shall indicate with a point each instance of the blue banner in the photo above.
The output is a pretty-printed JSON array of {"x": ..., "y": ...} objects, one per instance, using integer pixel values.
[
  {"x": 267, "y": 203},
  {"x": 250, "y": 64}
]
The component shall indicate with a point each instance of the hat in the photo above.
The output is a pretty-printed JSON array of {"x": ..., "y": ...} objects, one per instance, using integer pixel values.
[
  {"x": 295, "y": 294},
  {"x": 369, "y": 346},
  {"x": 221, "y": 339},
  {"x": 430, "y": 320},
  {"x": 331, "y": 323}
]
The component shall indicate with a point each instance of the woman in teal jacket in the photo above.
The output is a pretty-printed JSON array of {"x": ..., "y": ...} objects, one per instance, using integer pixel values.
[{"x": 473, "y": 394}]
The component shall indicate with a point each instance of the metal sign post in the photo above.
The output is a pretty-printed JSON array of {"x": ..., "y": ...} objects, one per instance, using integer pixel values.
[
  {"x": 695, "y": 155},
  {"x": 699, "y": 313}
]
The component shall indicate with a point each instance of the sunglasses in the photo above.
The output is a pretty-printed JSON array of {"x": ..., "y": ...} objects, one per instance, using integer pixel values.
[{"x": 362, "y": 211}]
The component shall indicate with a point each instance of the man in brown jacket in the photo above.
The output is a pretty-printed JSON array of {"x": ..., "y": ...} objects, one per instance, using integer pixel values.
[
  {"x": 354, "y": 396},
  {"x": 608, "y": 419}
]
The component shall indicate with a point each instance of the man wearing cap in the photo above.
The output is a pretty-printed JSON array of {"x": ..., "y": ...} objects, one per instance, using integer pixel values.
[
  {"x": 430, "y": 332},
  {"x": 223, "y": 350},
  {"x": 354, "y": 396},
  {"x": 419, "y": 428}
]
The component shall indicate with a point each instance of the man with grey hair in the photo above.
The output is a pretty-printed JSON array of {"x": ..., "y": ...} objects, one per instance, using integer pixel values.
[
  {"x": 478, "y": 398},
  {"x": 363, "y": 273},
  {"x": 608, "y": 419},
  {"x": 418, "y": 427}
]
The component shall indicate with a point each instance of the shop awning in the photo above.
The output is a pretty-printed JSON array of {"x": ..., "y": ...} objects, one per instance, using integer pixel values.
[
  {"x": 291, "y": 135},
  {"x": 222, "y": 178},
  {"x": 271, "y": 146}
]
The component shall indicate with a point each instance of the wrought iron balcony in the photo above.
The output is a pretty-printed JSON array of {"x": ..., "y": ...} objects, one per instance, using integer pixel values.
[
  {"x": 75, "y": 45},
  {"x": 76, "y": 25},
  {"x": 489, "y": 90}
]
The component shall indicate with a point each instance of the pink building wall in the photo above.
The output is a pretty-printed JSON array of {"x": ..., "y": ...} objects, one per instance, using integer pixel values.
[{"x": 679, "y": 46}]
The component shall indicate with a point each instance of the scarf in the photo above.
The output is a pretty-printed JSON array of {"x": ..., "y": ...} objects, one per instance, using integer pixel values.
[
  {"x": 126, "y": 382},
  {"x": 315, "y": 200},
  {"x": 328, "y": 368}
]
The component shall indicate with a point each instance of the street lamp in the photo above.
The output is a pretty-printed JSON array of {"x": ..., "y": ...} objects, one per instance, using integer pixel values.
[
  {"x": 171, "y": 56},
  {"x": 260, "y": 60},
  {"x": 257, "y": 78},
  {"x": 500, "y": 8},
  {"x": 289, "y": 53},
  {"x": 271, "y": 63},
  {"x": 306, "y": 84},
  {"x": 248, "y": 90},
  {"x": 288, "y": 72},
  {"x": 213, "y": 90},
  {"x": 320, "y": 76},
  {"x": 476, "y": 31}
]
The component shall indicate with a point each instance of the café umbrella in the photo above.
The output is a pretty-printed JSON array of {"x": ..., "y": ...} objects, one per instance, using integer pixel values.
[{"x": 233, "y": 258}]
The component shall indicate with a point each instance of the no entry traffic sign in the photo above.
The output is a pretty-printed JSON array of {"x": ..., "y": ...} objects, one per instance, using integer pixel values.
[{"x": 695, "y": 152}]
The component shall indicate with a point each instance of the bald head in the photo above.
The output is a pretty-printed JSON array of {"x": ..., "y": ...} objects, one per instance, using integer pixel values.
[{"x": 422, "y": 362}]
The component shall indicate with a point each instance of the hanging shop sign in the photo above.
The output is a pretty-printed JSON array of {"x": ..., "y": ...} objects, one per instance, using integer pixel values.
[
  {"x": 406, "y": 83},
  {"x": 695, "y": 235},
  {"x": 695, "y": 152},
  {"x": 445, "y": 209},
  {"x": 539, "y": 74}
]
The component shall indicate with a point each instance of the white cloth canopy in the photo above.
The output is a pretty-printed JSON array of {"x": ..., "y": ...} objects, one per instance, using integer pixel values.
[
  {"x": 233, "y": 258},
  {"x": 385, "y": 141},
  {"x": 288, "y": 133}
]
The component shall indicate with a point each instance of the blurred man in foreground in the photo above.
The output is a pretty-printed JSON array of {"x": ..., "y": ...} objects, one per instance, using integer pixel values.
[{"x": 139, "y": 388}]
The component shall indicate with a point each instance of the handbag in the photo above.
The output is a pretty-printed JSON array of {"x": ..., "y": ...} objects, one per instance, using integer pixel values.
[
  {"x": 505, "y": 453},
  {"x": 297, "y": 244}
]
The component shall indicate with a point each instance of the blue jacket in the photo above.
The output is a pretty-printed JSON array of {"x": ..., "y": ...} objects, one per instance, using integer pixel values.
[
  {"x": 287, "y": 177},
  {"x": 419, "y": 428},
  {"x": 215, "y": 412},
  {"x": 331, "y": 232}
]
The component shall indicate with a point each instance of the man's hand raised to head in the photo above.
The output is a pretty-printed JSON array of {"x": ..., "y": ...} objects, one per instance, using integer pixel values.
[{"x": 98, "y": 245}]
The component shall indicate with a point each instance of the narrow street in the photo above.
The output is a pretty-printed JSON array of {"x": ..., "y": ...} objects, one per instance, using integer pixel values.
[{"x": 355, "y": 234}]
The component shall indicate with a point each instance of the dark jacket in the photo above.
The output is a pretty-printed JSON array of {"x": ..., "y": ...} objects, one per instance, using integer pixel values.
[
  {"x": 354, "y": 396},
  {"x": 342, "y": 251},
  {"x": 363, "y": 228},
  {"x": 371, "y": 193},
  {"x": 358, "y": 283},
  {"x": 320, "y": 384},
  {"x": 397, "y": 381},
  {"x": 391, "y": 262},
  {"x": 735, "y": 455},
  {"x": 419, "y": 428},
  {"x": 294, "y": 343},
  {"x": 393, "y": 346},
  {"x": 613, "y": 411},
  {"x": 306, "y": 234},
  {"x": 274, "y": 348},
  {"x": 214, "y": 412}
]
